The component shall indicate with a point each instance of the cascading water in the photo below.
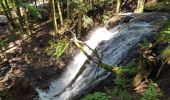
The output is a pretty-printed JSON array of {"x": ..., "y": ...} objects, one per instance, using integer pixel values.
[
  {"x": 73, "y": 68},
  {"x": 118, "y": 46}
]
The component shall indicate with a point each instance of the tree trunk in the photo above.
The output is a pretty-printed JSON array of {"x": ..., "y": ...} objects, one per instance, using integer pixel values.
[
  {"x": 59, "y": 12},
  {"x": 80, "y": 16},
  {"x": 51, "y": 9},
  {"x": 69, "y": 8},
  {"x": 54, "y": 18},
  {"x": 140, "y": 6},
  {"x": 18, "y": 12},
  {"x": 118, "y": 6},
  {"x": 35, "y": 2},
  {"x": 27, "y": 22}
]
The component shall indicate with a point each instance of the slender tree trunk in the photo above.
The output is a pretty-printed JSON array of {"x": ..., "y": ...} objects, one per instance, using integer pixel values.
[
  {"x": 27, "y": 21},
  {"x": 18, "y": 12},
  {"x": 80, "y": 16},
  {"x": 59, "y": 12},
  {"x": 54, "y": 18},
  {"x": 35, "y": 2},
  {"x": 51, "y": 9},
  {"x": 68, "y": 6},
  {"x": 118, "y": 6},
  {"x": 140, "y": 6},
  {"x": 69, "y": 9}
]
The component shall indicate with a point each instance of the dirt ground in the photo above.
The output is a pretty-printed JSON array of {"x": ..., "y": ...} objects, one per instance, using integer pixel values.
[{"x": 28, "y": 66}]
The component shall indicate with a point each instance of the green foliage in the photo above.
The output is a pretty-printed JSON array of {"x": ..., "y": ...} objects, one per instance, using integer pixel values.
[
  {"x": 144, "y": 45},
  {"x": 105, "y": 17},
  {"x": 87, "y": 21},
  {"x": 32, "y": 10},
  {"x": 3, "y": 44},
  {"x": 165, "y": 55},
  {"x": 127, "y": 70},
  {"x": 119, "y": 93},
  {"x": 121, "y": 81},
  {"x": 105, "y": 2},
  {"x": 56, "y": 49},
  {"x": 164, "y": 37},
  {"x": 151, "y": 93},
  {"x": 96, "y": 96}
]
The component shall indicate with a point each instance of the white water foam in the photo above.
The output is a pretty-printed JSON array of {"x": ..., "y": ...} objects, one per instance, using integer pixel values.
[{"x": 73, "y": 68}]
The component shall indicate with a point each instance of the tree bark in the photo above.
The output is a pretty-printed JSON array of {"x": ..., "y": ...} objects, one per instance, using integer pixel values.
[
  {"x": 140, "y": 6},
  {"x": 80, "y": 16},
  {"x": 59, "y": 12},
  {"x": 54, "y": 18},
  {"x": 118, "y": 6},
  {"x": 20, "y": 19}
]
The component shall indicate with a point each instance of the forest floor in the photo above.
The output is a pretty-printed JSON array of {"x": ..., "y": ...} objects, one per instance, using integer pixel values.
[{"x": 28, "y": 67}]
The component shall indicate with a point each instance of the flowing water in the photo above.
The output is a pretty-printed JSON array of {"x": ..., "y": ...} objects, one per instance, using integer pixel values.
[
  {"x": 117, "y": 46},
  {"x": 73, "y": 68}
]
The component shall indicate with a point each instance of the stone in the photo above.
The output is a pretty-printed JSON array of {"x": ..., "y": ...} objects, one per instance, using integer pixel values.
[
  {"x": 117, "y": 50},
  {"x": 3, "y": 20}
]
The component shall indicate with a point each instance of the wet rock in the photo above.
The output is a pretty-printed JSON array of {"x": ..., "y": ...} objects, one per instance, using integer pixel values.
[
  {"x": 3, "y": 20},
  {"x": 121, "y": 46}
]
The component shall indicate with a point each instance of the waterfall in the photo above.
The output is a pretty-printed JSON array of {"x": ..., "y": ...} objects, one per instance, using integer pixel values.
[
  {"x": 117, "y": 46},
  {"x": 57, "y": 86}
]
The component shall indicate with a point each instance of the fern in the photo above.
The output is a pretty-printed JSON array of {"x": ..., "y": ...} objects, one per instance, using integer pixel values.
[{"x": 56, "y": 49}]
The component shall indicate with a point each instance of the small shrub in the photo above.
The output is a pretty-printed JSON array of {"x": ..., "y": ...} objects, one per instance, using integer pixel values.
[
  {"x": 121, "y": 81},
  {"x": 3, "y": 44},
  {"x": 119, "y": 93},
  {"x": 96, "y": 96},
  {"x": 56, "y": 49},
  {"x": 151, "y": 93}
]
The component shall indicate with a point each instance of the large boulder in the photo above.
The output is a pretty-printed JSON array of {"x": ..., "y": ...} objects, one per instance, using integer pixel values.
[
  {"x": 3, "y": 24},
  {"x": 3, "y": 20},
  {"x": 119, "y": 45}
]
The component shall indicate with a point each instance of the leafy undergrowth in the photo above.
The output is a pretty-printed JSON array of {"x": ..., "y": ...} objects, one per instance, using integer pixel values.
[
  {"x": 139, "y": 79},
  {"x": 163, "y": 6}
]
